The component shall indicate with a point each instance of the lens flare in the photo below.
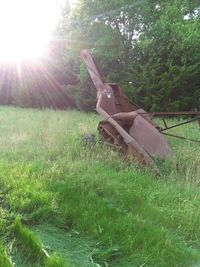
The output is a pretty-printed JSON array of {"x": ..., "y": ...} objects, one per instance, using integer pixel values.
[{"x": 26, "y": 27}]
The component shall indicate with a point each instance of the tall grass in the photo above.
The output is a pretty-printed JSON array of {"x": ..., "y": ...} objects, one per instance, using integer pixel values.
[
  {"x": 4, "y": 259},
  {"x": 49, "y": 174}
]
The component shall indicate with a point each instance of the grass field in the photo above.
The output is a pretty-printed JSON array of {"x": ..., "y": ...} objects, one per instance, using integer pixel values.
[{"x": 67, "y": 203}]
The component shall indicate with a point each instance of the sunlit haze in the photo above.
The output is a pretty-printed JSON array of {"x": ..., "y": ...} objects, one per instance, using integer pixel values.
[{"x": 26, "y": 27}]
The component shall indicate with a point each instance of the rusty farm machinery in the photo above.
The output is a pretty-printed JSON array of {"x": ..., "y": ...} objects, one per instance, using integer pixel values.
[{"x": 127, "y": 126}]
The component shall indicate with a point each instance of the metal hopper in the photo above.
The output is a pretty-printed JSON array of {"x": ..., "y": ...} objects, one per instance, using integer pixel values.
[{"x": 125, "y": 126}]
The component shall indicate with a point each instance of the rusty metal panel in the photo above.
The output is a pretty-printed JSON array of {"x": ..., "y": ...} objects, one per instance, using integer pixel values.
[
  {"x": 125, "y": 124},
  {"x": 150, "y": 138}
]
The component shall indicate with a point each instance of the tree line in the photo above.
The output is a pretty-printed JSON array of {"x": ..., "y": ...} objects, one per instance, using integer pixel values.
[{"x": 150, "y": 47}]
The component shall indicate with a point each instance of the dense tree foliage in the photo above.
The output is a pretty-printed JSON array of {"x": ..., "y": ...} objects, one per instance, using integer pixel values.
[
  {"x": 169, "y": 57},
  {"x": 150, "y": 47}
]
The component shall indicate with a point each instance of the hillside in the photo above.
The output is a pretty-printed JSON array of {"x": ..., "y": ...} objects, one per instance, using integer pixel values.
[{"x": 64, "y": 202}]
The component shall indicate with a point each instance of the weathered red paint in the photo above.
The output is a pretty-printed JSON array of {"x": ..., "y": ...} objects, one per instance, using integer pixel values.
[{"x": 125, "y": 124}]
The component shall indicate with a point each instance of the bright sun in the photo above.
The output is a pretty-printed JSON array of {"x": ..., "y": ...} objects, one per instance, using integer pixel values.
[{"x": 25, "y": 27}]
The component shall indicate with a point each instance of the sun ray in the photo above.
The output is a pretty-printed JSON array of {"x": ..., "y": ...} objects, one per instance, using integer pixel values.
[{"x": 25, "y": 28}]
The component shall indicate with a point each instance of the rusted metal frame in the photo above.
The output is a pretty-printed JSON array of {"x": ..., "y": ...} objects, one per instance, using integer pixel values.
[
  {"x": 176, "y": 113},
  {"x": 164, "y": 121},
  {"x": 172, "y": 113},
  {"x": 182, "y": 137},
  {"x": 127, "y": 138},
  {"x": 96, "y": 73},
  {"x": 179, "y": 124},
  {"x": 110, "y": 96}
]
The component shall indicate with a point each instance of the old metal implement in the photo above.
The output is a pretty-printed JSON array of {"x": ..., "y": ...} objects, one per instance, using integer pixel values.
[{"x": 126, "y": 125}]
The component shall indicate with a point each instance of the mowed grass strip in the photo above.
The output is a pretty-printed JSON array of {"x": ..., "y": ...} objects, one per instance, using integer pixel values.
[
  {"x": 4, "y": 259},
  {"x": 32, "y": 246},
  {"x": 48, "y": 173}
]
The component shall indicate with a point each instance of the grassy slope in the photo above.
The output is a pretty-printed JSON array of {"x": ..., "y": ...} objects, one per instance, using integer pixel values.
[{"x": 48, "y": 174}]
